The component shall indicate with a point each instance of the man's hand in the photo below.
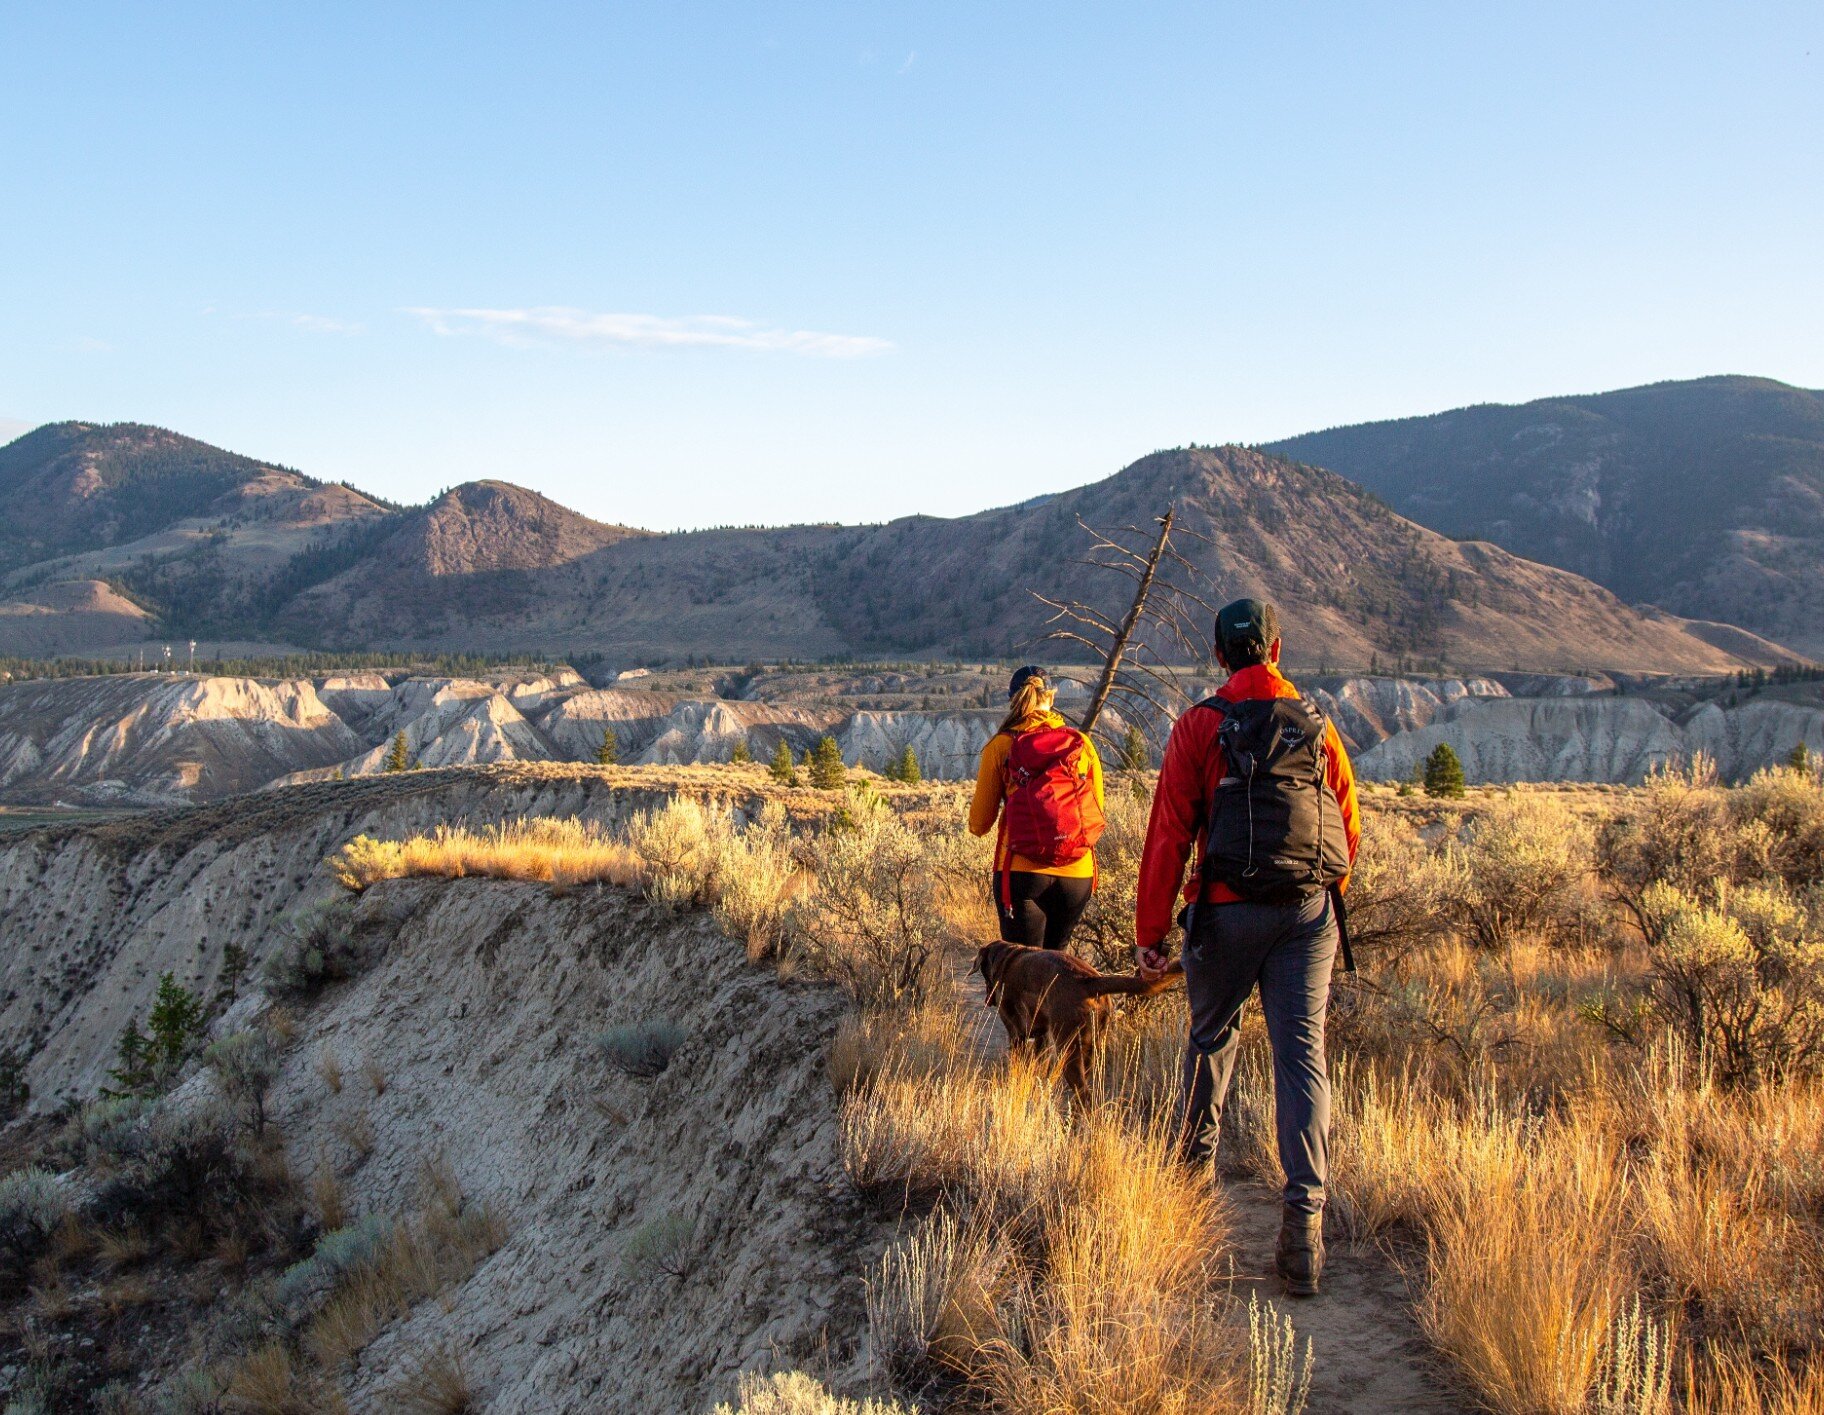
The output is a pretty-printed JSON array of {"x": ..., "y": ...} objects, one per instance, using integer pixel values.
[{"x": 1151, "y": 962}]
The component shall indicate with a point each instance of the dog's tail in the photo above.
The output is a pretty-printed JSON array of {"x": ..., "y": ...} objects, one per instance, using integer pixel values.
[{"x": 1133, "y": 983}]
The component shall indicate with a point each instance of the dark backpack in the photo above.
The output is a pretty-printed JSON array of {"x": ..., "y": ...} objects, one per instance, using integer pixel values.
[{"x": 1275, "y": 831}]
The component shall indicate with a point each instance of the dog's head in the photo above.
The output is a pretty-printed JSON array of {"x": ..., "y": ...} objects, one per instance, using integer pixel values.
[{"x": 991, "y": 963}]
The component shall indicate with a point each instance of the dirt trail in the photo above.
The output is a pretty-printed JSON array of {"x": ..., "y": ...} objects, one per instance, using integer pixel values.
[{"x": 1369, "y": 1355}]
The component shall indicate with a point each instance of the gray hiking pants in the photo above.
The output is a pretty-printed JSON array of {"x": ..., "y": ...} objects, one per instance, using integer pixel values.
[{"x": 1288, "y": 950}]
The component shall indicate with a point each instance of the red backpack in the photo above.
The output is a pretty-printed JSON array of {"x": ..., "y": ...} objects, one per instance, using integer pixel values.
[{"x": 1051, "y": 816}]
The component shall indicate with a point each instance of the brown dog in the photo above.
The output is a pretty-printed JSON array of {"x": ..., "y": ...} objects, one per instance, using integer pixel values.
[{"x": 1045, "y": 996}]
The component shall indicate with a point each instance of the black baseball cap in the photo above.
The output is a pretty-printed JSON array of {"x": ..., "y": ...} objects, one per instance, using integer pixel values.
[
  {"x": 1246, "y": 621},
  {"x": 1023, "y": 676}
]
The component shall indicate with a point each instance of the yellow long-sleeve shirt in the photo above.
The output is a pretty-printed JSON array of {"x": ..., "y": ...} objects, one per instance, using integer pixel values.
[{"x": 991, "y": 791}]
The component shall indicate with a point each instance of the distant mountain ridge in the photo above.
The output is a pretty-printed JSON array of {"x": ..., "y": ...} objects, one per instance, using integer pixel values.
[
  {"x": 226, "y": 547},
  {"x": 1705, "y": 496}
]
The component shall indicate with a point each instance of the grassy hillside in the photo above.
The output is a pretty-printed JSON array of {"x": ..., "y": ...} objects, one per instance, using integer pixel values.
[
  {"x": 218, "y": 547},
  {"x": 1705, "y": 497}
]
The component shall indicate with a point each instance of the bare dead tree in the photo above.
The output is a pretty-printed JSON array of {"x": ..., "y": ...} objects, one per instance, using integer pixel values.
[{"x": 1162, "y": 612}]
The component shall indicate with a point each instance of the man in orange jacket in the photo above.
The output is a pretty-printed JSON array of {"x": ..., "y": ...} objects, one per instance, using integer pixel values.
[{"x": 1258, "y": 784}]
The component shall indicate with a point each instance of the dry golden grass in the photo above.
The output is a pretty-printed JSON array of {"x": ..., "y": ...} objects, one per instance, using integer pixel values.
[
  {"x": 435, "y": 1382},
  {"x": 418, "y": 1261},
  {"x": 543, "y": 849},
  {"x": 327, "y": 1197},
  {"x": 1525, "y": 1272},
  {"x": 270, "y": 1382},
  {"x": 1072, "y": 1264},
  {"x": 329, "y": 1067},
  {"x": 795, "y": 1393},
  {"x": 356, "y": 1130}
]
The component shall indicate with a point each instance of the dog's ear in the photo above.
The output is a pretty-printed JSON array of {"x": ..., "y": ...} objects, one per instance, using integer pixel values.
[
  {"x": 991, "y": 960},
  {"x": 981, "y": 960}
]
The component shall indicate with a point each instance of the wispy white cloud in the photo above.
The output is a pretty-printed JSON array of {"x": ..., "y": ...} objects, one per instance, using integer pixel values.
[
  {"x": 295, "y": 319},
  {"x": 555, "y": 324},
  {"x": 320, "y": 324},
  {"x": 911, "y": 59},
  {"x": 87, "y": 344}
]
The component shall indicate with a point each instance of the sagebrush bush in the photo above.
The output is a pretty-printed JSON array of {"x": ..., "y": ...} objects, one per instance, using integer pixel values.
[
  {"x": 642, "y": 1049},
  {"x": 316, "y": 946},
  {"x": 245, "y": 1065},
  {"x": 875, "y": 920},
  {"x": 192, "y": 1163},
  {"x": 32, "y": 1205},
  {"x": 111, "y": 1131},
  {"x": 1744, "y": 975},
  {"x": 1516, "y": 870},
  {"x": 1679, "y": 830},
  {"x": 1400, "y": 892},
  {"x": 305, "y": 1285},
  {"x": 660, "y": 1248},
  {"x": 678, "y": 844},
  {"x": 1789, "y": 804}
]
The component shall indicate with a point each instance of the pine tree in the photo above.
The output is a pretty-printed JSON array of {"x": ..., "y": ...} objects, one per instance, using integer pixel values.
[
  {"x": 1443, "y": 772},
  {"x": 739, "y": 755},
  {"x": 400, "y": 757},
  {"x": 827, "y": 771},
  {"x": 906, "y": 769},
  {"x": 175, "y": 1021},
  {"x": 609, "y": 753},
  {"x": 133, "y": 1073},
  {"x": 783, "y": 768},
  {"x": 1134, "y": 753},
  {"x": 1800, "y": 760}
]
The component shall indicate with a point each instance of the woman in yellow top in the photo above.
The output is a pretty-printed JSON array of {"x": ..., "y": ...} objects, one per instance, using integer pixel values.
[{"x": 1039, "y": 904}]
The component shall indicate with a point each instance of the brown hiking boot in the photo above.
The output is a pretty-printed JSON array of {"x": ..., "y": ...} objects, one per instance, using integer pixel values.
[{"x": 1299, "y": 1258}]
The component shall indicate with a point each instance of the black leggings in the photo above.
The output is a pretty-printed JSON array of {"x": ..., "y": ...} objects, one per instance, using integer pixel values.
[{"x": 1039, "y": 910}]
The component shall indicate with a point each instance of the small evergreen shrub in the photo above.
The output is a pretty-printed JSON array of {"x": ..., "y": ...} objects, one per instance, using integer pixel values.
[
  {"x": 1136, "y": 756},
  {"x": 1443, "y": 772},
  {"x": 148, "y": 1061},
  {"x": 827, "y": 770}
]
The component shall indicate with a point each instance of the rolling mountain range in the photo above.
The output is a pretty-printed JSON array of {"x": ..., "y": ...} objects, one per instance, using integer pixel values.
[
  {"x": 1705, "y": 497},
  {"x": 129, "y": 527}
]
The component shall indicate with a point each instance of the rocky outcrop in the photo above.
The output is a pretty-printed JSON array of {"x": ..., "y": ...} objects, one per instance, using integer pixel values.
[
  {"x": 947, "y": 745},
  {"x": 1610, "y": 739},
  {"x": 146, "y": 739},
  {"x": 1367, "y": 710},
  {"x": 478, "y": 1008},
  {"x": 160, "y": 739}
]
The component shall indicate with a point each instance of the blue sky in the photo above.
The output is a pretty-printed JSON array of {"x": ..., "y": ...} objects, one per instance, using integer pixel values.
[{"x": 684, "y": 264}]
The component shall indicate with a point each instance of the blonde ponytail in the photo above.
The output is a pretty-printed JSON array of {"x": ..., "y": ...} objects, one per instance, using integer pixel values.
[{"x": 1033, "y": 698}]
